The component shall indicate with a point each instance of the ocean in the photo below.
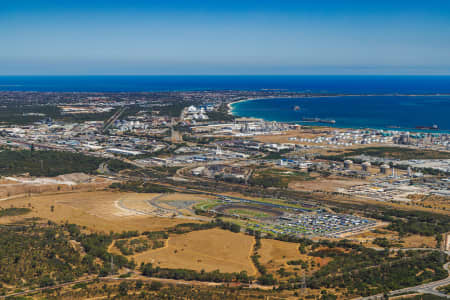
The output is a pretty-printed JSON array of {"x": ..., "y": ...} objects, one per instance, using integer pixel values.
[
  {"x": 316, "y": 84},
  {"x": 382, "y": 112},
  {"x": 376, "y": 111}
]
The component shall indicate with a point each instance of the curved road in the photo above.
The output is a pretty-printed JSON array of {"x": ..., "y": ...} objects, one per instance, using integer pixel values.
[{"x": 427, "y": 288}]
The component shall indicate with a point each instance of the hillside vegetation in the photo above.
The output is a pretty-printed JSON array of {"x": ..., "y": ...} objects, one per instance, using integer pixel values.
[{"x": 52, "y": 163}]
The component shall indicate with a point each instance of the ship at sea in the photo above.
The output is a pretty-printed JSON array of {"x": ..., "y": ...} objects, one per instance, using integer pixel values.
[
  {"x": 381, "y": 112},
  {"x": 317, "y": 120},
  {"x": 434, "y": 127},
  {"x": 296, "y": 108}
]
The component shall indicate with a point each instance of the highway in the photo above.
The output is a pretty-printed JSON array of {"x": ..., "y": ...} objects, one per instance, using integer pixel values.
[
  {"x": 113, "y": 118},
  {"x": 47, "y": 288},
  {"x": 427, "y": 288}
]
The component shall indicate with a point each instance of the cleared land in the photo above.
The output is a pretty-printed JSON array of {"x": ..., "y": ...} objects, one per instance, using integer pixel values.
[
  {"x": 401, "y": 153},
  {"x": 160, "y": 205},
  {"x": 409, "y": 241},
  {"x": 25, "y": 185},
  {"x": 95, "y": 210},
  {"x": 284, "y": 137},
  {"x": 181, "y": 203},
  {"x": 276, "y": 177},
  {"x": 433, "y": 201},
  {"x": 207, "y": 250},
  {"x": 275, "y": 255},
  {"x": 331, "y": 184}
]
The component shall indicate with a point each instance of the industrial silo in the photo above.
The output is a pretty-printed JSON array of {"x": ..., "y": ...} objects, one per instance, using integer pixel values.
[
  {"x": 365, "y": 166},
  {"x": 348, "y": 163},
  {"x": 384, "y": 169}
]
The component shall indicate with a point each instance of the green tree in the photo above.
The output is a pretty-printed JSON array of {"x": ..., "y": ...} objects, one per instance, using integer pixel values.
[{"x": 123, "y": 288}]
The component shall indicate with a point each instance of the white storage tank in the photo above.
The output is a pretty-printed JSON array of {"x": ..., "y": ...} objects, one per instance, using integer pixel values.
[
  {"x": 348, "y": 163},
  {"x": 365, "y": 166},
  {"x": 384, "y": 169}
]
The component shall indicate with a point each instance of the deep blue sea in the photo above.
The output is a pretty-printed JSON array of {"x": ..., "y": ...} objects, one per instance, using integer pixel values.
[
  {"x": 317, "y": 84},
  {"x": 382, "y": 112},
  {"x": 348, "y": 111}
]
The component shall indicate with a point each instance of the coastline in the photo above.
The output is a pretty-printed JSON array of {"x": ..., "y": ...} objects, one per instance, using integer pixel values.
[
  {"x": 399, "y": 129},
  {"x": 230, "y": 104}
]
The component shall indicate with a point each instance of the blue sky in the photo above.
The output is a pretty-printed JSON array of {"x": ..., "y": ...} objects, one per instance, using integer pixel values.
[{"x": 224, "y": 37}]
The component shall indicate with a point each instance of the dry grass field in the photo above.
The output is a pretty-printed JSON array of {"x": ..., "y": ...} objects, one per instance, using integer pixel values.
[
  {"x": 284, "y": 137},
  {"x": 23, "y": 185},
  {"x": 434, "y": 201},
  {"x": 184, "y": 197},
  {"x": 96, "y": 210},
  {"x": 204, "y": 250},
  {"x": 394, "y": 205},
  {"x": 414, "y": 241},
  {"x": 137, "y": 202},
  {"x": 331, "y": 184},
  {"x": 275, "y": 255},
  {"x": 410, "y": 241},
  {"x": 308, "y": 133}
]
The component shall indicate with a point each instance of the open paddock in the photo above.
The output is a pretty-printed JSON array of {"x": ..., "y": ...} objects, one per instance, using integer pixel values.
[
  {"x": 98, "y": 211},
  {"x": 275, "y": 255},
  {"x": 209, "y": 250}
]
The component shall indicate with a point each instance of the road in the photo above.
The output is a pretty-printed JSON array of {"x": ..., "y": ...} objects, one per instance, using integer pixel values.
[
  {"x": 153, "y": 202},
  {"x": 109, "y": 278},
  {"x": 138, "y": 277},
  {"x": 430, "y": 288},
  {"x": 113, "y": 118},
  {"x": 120, "y": 205},
  {"x": 47, "y": 288},
  {"x": 427, "y": 288}
]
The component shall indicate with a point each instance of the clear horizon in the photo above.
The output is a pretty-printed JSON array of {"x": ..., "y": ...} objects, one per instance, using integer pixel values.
[
  {"x": 208, "y": 37},
  {"x": 226, "y": 75}
]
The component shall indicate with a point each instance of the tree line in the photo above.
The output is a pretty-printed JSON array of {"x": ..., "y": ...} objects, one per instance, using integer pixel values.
[{"x": 52, "y": 163}]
